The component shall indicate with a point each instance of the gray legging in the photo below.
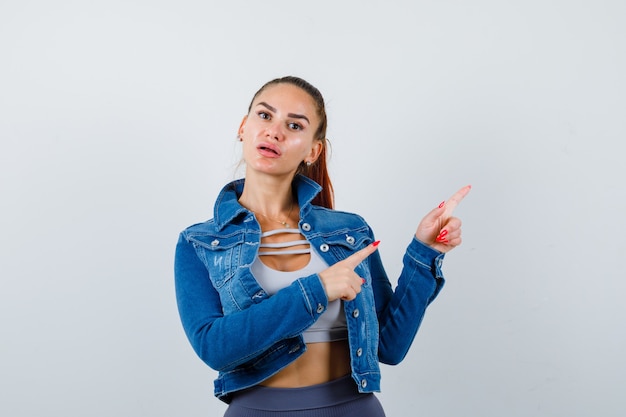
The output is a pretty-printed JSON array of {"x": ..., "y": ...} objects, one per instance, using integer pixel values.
[{"x": 339, "y": 398}]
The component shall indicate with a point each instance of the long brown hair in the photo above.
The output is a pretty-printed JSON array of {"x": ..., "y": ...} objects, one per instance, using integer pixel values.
[{"x": 317, "y": 171}]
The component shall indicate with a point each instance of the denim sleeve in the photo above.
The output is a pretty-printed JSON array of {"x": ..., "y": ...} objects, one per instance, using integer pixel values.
[
  {"x": 400, "y": 312},
  {"x": 225, "y": 342}
]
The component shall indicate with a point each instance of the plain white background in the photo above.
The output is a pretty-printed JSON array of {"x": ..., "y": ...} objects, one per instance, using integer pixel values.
[{"x": 118, "y": 122}]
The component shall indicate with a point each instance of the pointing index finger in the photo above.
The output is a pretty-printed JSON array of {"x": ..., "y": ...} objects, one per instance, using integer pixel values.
[
  {"x": 456, "y": 199},
  {"x": 356, "y": 258}
]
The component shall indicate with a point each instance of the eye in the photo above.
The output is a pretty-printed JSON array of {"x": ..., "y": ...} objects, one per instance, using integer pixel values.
[
  {"x": 295, "y": 126},
  {"x": 264, "y": 115}
]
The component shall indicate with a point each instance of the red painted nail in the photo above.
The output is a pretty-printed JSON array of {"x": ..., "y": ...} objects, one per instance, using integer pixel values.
[
  {"x": 443, "y": 233},
  {"x": 376, "y": 243},
  {"x": 363, "y": 279},
  {"x": 442, "y": 203}
]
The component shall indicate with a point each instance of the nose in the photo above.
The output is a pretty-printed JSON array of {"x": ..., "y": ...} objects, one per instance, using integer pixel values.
[{"x": 274, "y": 131}]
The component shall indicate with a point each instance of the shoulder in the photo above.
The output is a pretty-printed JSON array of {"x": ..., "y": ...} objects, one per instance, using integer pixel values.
[
  {"x": 203, "y": 228},
  {"x": 335, "y": 220},
  {"x": 332, "y": 213}
]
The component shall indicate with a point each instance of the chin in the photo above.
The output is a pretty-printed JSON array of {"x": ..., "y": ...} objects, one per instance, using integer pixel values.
[{"x": 269, "y": 170}]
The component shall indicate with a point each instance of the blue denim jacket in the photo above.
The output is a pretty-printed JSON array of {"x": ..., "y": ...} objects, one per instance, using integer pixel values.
[{"x": 248, "y": 336}]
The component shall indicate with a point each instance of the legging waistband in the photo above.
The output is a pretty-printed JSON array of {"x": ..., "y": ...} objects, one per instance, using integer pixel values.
[{"x": 327, "y": 394}]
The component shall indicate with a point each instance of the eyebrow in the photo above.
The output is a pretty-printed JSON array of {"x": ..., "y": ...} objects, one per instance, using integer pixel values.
[{"x": 293, "y": 115}]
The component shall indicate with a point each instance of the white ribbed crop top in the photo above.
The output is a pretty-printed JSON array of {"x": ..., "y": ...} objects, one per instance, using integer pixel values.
[{"x": 331, "y": 325}]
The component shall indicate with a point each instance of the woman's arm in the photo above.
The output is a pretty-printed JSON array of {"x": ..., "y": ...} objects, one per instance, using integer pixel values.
[
  {"x": 224, "y": 342},
  {"x": 400, "y": 312}
]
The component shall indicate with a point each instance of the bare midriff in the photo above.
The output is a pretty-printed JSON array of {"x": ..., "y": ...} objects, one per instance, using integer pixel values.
[{"x": 322, "y": 362}]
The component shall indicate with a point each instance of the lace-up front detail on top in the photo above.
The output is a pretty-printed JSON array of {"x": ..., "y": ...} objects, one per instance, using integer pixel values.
[{"x": 301, "y": 246}]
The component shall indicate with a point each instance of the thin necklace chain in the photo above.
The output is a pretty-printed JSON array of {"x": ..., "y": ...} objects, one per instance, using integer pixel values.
[{"x": 284, "y": 223}]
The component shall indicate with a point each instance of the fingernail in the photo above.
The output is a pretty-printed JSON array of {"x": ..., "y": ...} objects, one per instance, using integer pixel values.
[
  {"x": 376, "y": 243},
  {"x": 443, "y": 233},
  {"x": 442, "y": 203},
  {"x": 442, "y": 240},
  {"x": 363, "y": 279}
]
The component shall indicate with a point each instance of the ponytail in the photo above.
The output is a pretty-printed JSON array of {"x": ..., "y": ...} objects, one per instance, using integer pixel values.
[{"x": 318, "y": 172}]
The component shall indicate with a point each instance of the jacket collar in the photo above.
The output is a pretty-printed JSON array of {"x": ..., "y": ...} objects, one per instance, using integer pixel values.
[{"x": 227, "y": 207}]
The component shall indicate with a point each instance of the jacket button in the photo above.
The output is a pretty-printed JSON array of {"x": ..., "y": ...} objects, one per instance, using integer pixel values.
[
  {"x": 363, "y": 383},
  {"x": 324, "y": 247},
  {"x": 359, "y": 352},
  {"x": 306, "y": 227},
  {"x": 215, "y": 242},
  {"x": 350, "y": 240},
  {"x": 355, "y": 313},
  {"x": 320, "y": 309}
]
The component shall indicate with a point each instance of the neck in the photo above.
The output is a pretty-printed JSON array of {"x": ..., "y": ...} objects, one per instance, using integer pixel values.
[{"x": 268, "y": 195}]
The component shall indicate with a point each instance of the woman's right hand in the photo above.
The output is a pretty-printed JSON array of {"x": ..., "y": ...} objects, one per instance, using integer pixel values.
[{"x": 340, "y": 281}]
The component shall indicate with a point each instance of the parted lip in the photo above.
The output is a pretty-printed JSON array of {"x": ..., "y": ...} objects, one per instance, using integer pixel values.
[{"x": 268, "y": 147}]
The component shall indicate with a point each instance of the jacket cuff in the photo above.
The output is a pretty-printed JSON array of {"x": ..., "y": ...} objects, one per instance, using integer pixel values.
[
  {"x": 314, "y": 294},
  {"x": 426, "y": 257}
]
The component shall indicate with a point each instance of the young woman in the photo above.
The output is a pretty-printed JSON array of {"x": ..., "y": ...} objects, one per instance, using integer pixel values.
[{"x": 287, "y": 298}]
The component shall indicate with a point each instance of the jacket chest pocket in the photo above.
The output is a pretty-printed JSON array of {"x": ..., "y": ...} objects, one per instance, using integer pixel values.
[
  {"x": 221, "y": 255},
  {"x": 347, "y": 243}
]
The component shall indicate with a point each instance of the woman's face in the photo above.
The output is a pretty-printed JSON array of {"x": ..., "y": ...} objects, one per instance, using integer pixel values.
[{"x": 278, "y": 133}]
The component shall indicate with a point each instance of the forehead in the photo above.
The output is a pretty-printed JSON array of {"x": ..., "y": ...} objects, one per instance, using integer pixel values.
[{"x": 287, "y": 98}]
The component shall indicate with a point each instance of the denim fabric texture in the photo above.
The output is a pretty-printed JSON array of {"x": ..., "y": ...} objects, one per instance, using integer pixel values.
[{"x": 247, "y": 335}]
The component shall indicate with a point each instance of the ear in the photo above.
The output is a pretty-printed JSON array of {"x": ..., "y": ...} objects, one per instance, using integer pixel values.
[
  {"x": 316, "y": 150},
  {"x": 241, "y": 126}
]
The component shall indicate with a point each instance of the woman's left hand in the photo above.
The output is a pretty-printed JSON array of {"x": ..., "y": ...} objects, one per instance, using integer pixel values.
[{"x": 438, "y": 229}]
